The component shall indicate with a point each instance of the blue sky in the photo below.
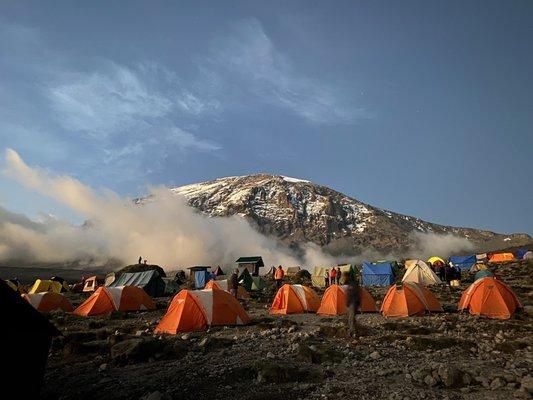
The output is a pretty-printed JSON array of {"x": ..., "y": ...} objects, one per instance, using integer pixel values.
[{"x": 424, "y": 108}]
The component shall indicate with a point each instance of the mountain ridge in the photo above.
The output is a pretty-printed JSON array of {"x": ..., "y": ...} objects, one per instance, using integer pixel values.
[{"x": 297, "y": 211}]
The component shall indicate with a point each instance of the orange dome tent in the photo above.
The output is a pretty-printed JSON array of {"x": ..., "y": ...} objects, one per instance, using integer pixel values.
[
  {"x": 48, "y": 301},
  {"x": 491, "y": 298},
  {"x": 105, "y": 300},
  {"x": 334, "y": 301},
  {"x": 194, "y": 310},
  {"x": 294, "y": 299},
  {"x": 224, "y": 285},
  {"x": 407, "y": 299},
  {"x": 501, "y": 257}
]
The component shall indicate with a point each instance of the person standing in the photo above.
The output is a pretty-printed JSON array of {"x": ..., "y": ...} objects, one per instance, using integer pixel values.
[
  {"x": 339, "y": 274},
  {"x": 332, "y": 276},
  {"x": 278, "y": 276},
  {"x": 234, "y": 282},
  {"x": 326, "y": 278},
  {"x": 353, "y": 299},
  {"x": 140, "y": 260}
]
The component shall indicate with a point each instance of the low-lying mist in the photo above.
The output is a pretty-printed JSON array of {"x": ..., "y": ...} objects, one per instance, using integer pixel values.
[{"x": 166, "y": 231}]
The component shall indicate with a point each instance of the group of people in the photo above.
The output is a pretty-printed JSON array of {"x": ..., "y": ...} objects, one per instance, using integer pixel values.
[
  {"x": 140, "y": 261},
  {"x": 445, "y": 272},
  {"x": 333, "y": 276}
]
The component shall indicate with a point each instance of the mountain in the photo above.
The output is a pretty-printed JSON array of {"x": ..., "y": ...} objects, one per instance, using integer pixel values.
[{"x": 297, "y": 211}]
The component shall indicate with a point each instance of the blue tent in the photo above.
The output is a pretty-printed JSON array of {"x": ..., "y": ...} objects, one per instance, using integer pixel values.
[
  {"x": 377, "y": 274},
  {"x": 201, "y": 278},
  {"x": 520, "y": 253},
  {"x": 464, "y": 263}
]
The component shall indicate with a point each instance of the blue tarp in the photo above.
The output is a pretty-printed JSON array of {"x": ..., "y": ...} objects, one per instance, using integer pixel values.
[
  {"x": 377, "y": 274},
  {"x": 200, "y": 279},
  {"x": 464, "y": 263},
  {"x": 520, "y": 253}
]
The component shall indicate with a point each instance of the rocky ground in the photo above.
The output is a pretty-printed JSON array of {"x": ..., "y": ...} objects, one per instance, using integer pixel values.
[{"x": 440, "y": 356}]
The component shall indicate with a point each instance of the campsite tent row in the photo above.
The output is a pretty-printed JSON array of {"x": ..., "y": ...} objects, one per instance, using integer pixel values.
[
  {"x": 196, "y": 309},
  {"x": 382, "y": 274}
]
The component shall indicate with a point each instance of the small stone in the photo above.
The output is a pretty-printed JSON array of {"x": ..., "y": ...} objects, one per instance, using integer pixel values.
[
  {"x": 185, "y": 336},
  {"x": 497, "y": 384},
  {"x": 430, "y": 381},
  {"x": 521, "y": 394},
  {"x": 102, "y": 367},
  {"x": 375, "y": 355},
  {"x": 527, "y": 384},
  {"x": 270, "y": 355}
]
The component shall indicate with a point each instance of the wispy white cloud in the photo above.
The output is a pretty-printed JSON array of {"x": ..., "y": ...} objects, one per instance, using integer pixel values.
[
  {"x": 187, "y": 140},
  {"x": 106, "y": 102},
  {"x": 247, "y": 61}
]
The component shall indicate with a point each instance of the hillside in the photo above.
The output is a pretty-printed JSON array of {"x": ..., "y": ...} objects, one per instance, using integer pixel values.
[{"x": 297, "y": 211}]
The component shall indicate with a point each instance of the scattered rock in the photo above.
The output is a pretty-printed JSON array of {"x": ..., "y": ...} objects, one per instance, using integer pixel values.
[
  {"x": 497, "y": 383},
  {"x": 526, "y": 384},
  {"x": 135, "y": 350}
]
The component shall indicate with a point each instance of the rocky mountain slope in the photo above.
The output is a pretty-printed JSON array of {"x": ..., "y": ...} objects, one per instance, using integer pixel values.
[{"x": 297, "y": 211}]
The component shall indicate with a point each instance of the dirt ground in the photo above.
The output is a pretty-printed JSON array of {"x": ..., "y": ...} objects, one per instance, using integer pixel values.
[{"x": 448, "y": 355}]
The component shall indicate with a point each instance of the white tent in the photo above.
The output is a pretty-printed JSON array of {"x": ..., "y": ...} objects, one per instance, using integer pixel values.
[{"x": 419, "y": 272}]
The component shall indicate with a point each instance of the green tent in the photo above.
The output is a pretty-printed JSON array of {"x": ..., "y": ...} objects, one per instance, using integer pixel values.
[
  {"x": 149, "y": 281},
  {"x": 259, "y": 283},
  {"x": 245, "y": 279},
  {"x": 250, "y": 282},
  {"x": 482, "y": 274},
  {"x": 171, "y": 286}
]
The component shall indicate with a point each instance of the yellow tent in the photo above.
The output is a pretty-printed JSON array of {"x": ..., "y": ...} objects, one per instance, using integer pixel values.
[
  {"x": 291, "y": 271},
  {"x": 478, "y": 267},
  {"x": 433, "y": 259},
  {"x": 42, "y": 285},
  {"x": 317, "y": 278}
]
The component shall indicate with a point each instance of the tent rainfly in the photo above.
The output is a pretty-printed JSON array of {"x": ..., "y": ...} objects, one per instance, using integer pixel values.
[
  {"x": 464, "y": 263},
  {"x": 377, "y": 274},
  {"x": 409, "y": 298},
  {"x": 294, "y": 299},
  {"x": 335, "y": 300},
  {"x": 419, "y": 272},
  {"x": 149, "y": 281},
  {"x": 195, "y": 310},
  {"x": 200, "y": 274},
  {"x": 105, "y": 300},
  {"x": 489, "y": 297},
  {"x": 43, "y": 285},
  {"x": 501, "y": 258}
]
